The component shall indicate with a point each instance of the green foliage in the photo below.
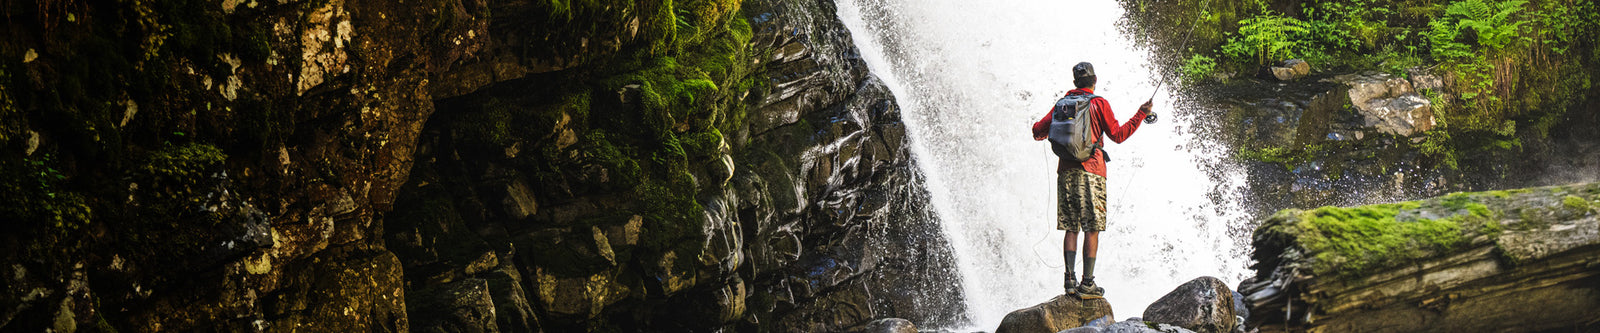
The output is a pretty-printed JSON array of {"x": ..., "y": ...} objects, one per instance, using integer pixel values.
[
  {"x": 189, "y": 161},
  {"x": 1471, "y": 36},
  {"x": 177, "y": 179},
  {"x": 1287, "y": 157},
  {"x": 1349, "y": 24},
  {"x": 1268, "y": 37},
  {"x": 1496, "y": 25},
  {"x": 1198, "y": 68},
  {"x": 36, "y": 193}
]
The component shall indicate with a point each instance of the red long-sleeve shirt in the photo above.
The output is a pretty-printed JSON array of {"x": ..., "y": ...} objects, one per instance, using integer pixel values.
[{"x": 1105, "y": 125}]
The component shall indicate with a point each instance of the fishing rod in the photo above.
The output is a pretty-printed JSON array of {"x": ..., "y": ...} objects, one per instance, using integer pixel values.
[{"x": 1181, "y": 46}]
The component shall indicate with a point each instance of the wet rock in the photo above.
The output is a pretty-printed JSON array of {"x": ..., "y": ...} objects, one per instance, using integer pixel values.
[
  {"x": 1203, "y": 305},
  {"x": 1135, "y": 325},
  {"x": 1290, "y": 70},
  {"x": 887, "y": 325},
  {"x": 346, "y": 290},
  {"x": 1084, "y": 329},
  {"x": 1094, "y": 325},
  {"x": 1060, "y": 313},
  {"x": 1514, "y": 260},
  {"x": 1388, "y": 104},
  {"x": 1101, "y": 322},
  {"x": 1239, "y": 309},
  {"x": 519, "y": 201},
  {"x": 460, "y": 306}
]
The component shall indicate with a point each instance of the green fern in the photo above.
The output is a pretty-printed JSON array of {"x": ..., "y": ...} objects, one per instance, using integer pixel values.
[{"x": 1268, "y": 37}]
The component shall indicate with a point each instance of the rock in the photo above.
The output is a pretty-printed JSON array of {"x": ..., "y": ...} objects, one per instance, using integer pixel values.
[
  {"x": 519, "y": 201},
  {"x": 887, "y": 325},
  {"x": 1292, "y": 69},
  {"x": 1239, "y": 309},
  {"x": 1517, "y": 260},
  {"x": 1388, "y": 104},
  {"x": 1423, "y": 80},
  {"x": 513, "y": 312},
  {"x": 1102, "y": 322},
  {"x": 460, "y": 306},
  {"x": 1203, "y": 305},
  {"x": 1060, "y": 313},
  {"x": 1135, "y": 325}
]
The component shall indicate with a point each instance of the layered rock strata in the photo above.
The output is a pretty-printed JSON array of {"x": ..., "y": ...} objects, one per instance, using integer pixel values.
[
  {"x": 1521, "y": 260},
  {"x": 454, "y": 166}
]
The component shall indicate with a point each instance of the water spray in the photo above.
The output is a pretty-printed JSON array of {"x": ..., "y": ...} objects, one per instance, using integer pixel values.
[{"x": 1164, "y": 79}]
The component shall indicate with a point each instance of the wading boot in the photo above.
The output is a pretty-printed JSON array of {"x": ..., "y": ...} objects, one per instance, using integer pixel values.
[
  {"x": 1071, "y": 285},
  {"x": 1087, "y": 289}
]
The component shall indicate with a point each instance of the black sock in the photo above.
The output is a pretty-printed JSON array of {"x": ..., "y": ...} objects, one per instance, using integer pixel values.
[
  {"x": 1088, "y": 268},
  {"x": 1070, "y": 255}
]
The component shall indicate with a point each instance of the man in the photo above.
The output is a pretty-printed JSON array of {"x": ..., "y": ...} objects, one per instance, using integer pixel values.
[{"x": 1081, "y": 188}]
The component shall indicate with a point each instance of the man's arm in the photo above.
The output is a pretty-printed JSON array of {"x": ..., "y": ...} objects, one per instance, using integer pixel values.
[
  {"x": 1041, "y": 129},
  {"x": 1108, "y": 121}
]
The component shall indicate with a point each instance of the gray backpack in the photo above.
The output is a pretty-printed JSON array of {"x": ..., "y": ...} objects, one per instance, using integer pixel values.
[{"x": 1071, "y": 136}]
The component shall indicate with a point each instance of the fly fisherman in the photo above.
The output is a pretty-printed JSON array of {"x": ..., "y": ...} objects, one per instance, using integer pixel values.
[{"x": 1075, "y": 127}]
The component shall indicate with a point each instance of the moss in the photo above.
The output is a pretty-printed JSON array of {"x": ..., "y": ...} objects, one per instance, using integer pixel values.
[
  {"x": 490, "y": 126},
  {"x": 703, "y": 144},
  {"x": 1353, "y": 241},
  {"x": 37, "y": 194},
  {"x": 1576, "y": 204},
  {"x": 176, "y": 179},
  {"x": 187, "y": 161}
]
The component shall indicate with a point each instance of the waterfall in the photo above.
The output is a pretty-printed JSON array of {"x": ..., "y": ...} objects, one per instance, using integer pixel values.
[{"x": 971, "y": 76}]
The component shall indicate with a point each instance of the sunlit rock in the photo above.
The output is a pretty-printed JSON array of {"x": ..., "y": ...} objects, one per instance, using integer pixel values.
[
  {"x": 1388, "y": 104},
  {"x": 1203, "y": 305},
  {"x": 1057, "y": 314}
]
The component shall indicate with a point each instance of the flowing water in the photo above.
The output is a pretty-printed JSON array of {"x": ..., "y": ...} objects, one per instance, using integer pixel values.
[{"x": 972, "y": 76}]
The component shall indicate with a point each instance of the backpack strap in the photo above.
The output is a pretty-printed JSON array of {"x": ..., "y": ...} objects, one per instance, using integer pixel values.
[{"x": 1098, "y": 144}]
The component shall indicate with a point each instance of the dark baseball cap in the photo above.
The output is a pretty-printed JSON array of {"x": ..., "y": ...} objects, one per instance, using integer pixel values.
[{"x": 1082, "y": 70}]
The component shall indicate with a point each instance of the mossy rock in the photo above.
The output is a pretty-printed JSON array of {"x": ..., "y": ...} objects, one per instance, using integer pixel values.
[{"x": 1355, "y": 241}]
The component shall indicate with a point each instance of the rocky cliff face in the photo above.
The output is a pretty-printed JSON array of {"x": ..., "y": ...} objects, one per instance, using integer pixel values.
[
  {"x": 454, "y": 165},
  {"x": 1491, "y": 261}
]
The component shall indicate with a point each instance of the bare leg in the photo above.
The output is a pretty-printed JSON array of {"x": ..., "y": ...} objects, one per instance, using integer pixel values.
[{"x": 1091, "y": 245}]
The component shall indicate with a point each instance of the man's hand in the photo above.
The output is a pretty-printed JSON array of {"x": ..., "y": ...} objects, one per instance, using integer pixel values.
[{"x": 1149, "y": 117}]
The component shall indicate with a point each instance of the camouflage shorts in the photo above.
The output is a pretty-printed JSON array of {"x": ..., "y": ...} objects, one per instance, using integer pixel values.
[{"x": 1083, "y": 201}]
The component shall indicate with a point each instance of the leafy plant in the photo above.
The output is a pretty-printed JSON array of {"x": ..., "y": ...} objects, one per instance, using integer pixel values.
[
  {"x": 1495, "y": 26},
  {"x": 1269, "y": 36},
  {"x": 1198, "y": 67}
]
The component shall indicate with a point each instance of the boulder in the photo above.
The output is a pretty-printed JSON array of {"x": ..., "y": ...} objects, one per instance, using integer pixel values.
[
  {"x": 1517, "y": 260},
  {"x": 1093, "y": 325},
  {"x": 1204, "y": 305},
  {"x": 1388, "y": 104},
  {"x": 1060, "y": 313},
  {"x": 458, "y": 306},
  {"x": 887, "y": 325},
  {"x": 1136, "y": 325},
  {"x": 1290, "y": 70}
]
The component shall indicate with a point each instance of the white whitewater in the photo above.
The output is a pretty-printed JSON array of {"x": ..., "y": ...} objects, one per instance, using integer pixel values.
[{"x": 971, "y": 76}]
